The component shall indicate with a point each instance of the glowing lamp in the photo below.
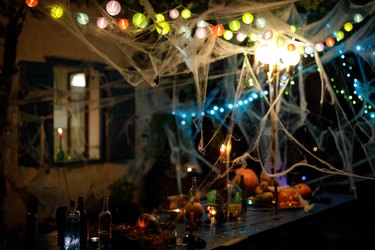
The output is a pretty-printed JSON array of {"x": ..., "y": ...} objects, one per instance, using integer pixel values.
[
  {"x": 102, "y": 22},
  {"x": 234, "y": 25},
  {"x": 159, "y": 18},
  {"x": 348, "y": 27},
  {"x": 113, "y": 8},
  {"x": 57, "y": 11},
  {"x": 319, "y": 47},
  {"x": 31, "y": 3},
  {"x": 247, "y": 18},
  {"x": 202, "y": 24},
  {"x": 293, "y": 28},
  {"x": 82, "y": 18},
  {"x": 123, "y": 24},
  {"x": 139, "y": 20},
  {"x": 162, "y": 27},
  {"x": 201, "y": 32},
  {"x": 290, "y": 58},
  {"x": 340, "y": 35},
  {"x": 358, "y": 18},
  {"x": 280, "y": 42},
  {"x": 185, "y": 30},
  {"x": 301, "y": 50},
  {"x": 174, "y": 13},
  {"x": 241, "y": 37},
  {"x": 260, "y": 22},
  {"x": 267, "y": 54},
  {"x": 291, "y": 47},
  {"x": 309, "y": 49},
  {"x": 267, "y": 34},
  {"x": 330, "y": 42},
  {"x": 228, "y": 35},
  {"x": 218, "y": 30},
  {"x": 186, "y": 13},
  {"x": 253, "y": 37}
]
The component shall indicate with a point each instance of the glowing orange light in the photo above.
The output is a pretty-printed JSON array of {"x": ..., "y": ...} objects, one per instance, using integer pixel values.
[
  {"x": 218, "y": 30},
  {"x": 31, "y": 3},
  {"x": 330, "y": 42},
  {"x": 315, "y": 149},
  {"x": 291, "y": 47},
  {"x": 123, "y": 24}
]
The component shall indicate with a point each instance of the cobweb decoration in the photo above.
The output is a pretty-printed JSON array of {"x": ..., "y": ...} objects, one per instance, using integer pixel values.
[{"x": 231, "y": 92}]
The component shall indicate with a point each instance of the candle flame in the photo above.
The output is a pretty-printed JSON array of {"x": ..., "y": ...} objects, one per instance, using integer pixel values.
[
  {"x": 60, "y": 131},
  {"x": 222, "y": 148}
]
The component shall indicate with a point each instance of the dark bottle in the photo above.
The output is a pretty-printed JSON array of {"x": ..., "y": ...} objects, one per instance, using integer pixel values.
[
  {"x": 244, "y": 194},
  {"x": 193, "y": 190},
  {"x": 84, "y": 224},
  {"x": 32, "y": 230},
  {"x": 72, "y": 228},
  {"x": 105, "y": 226}
]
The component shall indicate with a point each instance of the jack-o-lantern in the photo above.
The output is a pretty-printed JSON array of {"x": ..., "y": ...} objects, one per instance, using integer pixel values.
[
  {"x": 288, "y": 198},
  {"x": 148, "y": 222},
  {"x": 304, "y": 190},
  {"x": 193, "y": 209},
  {"x": 250, "y": 178}
]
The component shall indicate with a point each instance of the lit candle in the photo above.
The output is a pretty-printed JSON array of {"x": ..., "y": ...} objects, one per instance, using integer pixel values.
[
  {"x": 60, "y": 153},
  {"x": 222, "y": 150},
  {"x": 60, "y": 132}
]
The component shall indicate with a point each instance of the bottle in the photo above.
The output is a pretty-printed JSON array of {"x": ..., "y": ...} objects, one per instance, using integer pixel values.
[
  {"x": 193, "y": 190},
  {"x": 234, "y": 202},
  {"x": 32, "y": 230},
  {"x": 72, "y": 228},
  {"x": 105, "y": 226},
  {"x": 84, "y": 224},
  {"x": 244, "y": 195}
]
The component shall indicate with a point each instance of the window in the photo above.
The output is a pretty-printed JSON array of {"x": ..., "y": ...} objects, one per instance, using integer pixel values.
[
  {"x": 77, "y": 114},
  {"x": 93, "y": 107}
]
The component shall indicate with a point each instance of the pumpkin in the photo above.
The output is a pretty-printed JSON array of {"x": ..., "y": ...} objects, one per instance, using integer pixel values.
[
  {"x": 194, "y": 207},
  {"x": 288, "y": 198},
  {"x": 304, "y": 190},
  {"x": 251, "y": 179},
  {"x": 148, "y": 222}
]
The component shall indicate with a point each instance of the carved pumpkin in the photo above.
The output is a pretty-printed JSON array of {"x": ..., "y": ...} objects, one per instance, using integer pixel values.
[
  {"x": 194, "y": 207},
  {"x": 148, "y": 222},
  {"x": 304, "y": 190},
  {"x": 251, "y": 179},
  {"x": 288, "y": 198}
]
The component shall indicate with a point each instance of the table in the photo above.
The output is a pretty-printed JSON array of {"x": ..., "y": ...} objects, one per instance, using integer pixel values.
[{"x": 228, "y": 234}]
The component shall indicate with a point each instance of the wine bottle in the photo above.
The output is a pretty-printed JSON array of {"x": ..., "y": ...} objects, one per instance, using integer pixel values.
[
  {"x": 244, "y": 195},
  {"x": 84, "y": 224},
  {"x": 72, "y": 228},
  {"x": 105, "y": 226}
]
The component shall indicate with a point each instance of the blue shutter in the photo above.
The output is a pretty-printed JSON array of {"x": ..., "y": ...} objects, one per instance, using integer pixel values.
[{"x": 36, "y": 78}]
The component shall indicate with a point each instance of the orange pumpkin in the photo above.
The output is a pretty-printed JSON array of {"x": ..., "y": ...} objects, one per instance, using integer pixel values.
[
  {"x": 251, "y": 179},
  {"x": 194, "y": 207},
  {"x": 148, "y": 222},
  {"x": 288, "y": 198},
  {"x": 304, "y": 190}
]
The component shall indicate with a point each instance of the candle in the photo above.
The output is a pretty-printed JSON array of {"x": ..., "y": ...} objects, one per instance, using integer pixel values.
[
  {"x": 222, "y": 150},
  {"x": 60, "y": 152}
]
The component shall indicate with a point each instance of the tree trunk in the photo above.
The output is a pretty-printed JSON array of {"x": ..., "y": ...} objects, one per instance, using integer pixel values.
[{"x": 8, "y": 95}]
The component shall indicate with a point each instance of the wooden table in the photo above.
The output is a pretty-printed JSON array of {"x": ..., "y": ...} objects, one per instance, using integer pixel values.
[{"x": 231, "y": 233}]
